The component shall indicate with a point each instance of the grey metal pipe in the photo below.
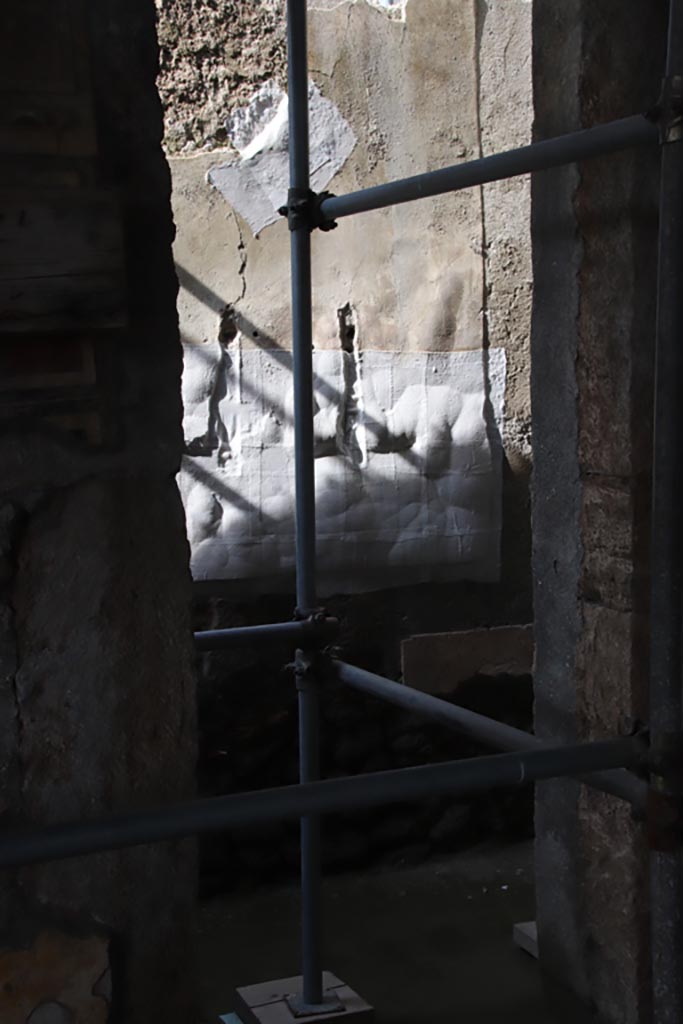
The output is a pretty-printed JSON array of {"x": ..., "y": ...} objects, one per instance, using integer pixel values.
[
  {"x": 198, "y": 817},
  {"x": 607, "y": 138},
  {"x": 666, "y": 553},
  {"x": 485, "y": 730},
  {"x": 311, "y": 840},
  {"x": 312, "y": 630},
  {"x": 302, "y": 352}
]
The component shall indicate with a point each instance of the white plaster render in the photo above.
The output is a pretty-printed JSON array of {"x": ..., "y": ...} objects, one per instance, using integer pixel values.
[
  {"x": 394, "y": 8},
  {"x": 255, "y": 184},
  {"x": 407, "y": 465}
]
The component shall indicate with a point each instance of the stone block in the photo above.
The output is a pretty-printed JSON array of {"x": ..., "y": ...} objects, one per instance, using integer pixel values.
[
  {"x": 607, "y": 523},
  {"x": 438, "y": 662},
  {"x": 607, "y": 681}
]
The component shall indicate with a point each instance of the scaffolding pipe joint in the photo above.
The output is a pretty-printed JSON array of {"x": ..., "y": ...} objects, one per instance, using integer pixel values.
[
  {"x": 668, "y": 113},
  {"x": 304, "y": 210},
  {"x": 304, "y": 663}
]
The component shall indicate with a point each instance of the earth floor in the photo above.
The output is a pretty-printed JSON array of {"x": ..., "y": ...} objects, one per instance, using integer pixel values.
[{"x": 424, "y": 944}]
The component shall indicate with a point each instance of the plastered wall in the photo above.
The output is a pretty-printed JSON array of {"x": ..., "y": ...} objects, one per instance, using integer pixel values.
[{"x": 420, "y": 311}]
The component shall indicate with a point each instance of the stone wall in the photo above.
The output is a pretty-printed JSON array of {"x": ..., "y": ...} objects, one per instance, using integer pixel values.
[
  {"x": 594, "y": 231},
  {"x": 97, "y": 695}
]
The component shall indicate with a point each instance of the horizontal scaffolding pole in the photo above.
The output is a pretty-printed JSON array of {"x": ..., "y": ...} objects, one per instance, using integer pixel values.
[
  {"x": 540, "y": 156},
  {"x": 485, "y": 730},
  {"x": 309, "y": 631},
  {"x": 177, "y": 821}
]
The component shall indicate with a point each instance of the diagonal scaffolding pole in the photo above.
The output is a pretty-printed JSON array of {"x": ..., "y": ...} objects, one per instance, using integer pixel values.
[
  {"x": 302, "y": 351},
  {"x": 666, "y": 616},
  {"x": 215, "y": 814},
  {"x": 488, "y": 731}
]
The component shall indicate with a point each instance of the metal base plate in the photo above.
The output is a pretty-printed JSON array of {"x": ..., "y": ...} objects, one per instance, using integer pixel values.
[
  {"x": 331, "y": 1004},
  {"x": 279, "y": 1002}
]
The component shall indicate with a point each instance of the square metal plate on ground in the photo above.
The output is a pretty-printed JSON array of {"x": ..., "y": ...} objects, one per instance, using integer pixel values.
[{"x": 272, "y": 1003}]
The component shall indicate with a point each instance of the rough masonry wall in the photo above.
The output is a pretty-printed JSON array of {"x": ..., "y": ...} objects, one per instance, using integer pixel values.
[
  {"x": 594, "y": 231},
  {"x": 97, "y": 693}
]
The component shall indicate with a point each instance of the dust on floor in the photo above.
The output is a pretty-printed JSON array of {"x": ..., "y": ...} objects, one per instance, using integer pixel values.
[{"x": 425, "y": 944}]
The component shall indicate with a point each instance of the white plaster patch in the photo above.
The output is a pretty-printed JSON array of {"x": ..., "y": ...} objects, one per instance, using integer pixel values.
[
  {"x": 393, "y": 7},
  {"x": 408, "y": 467},
  {"x": 256, "y": 182},
  {"x": 258, "y": 125}
]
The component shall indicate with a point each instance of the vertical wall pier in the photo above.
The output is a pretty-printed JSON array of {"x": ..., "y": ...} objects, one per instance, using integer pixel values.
[
  {"x": 666, "y": 663},
  {"x": 316, "y": 995}
]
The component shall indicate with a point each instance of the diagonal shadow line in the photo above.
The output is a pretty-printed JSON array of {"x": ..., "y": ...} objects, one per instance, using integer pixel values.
[
  {"x": 244, "y": 384},
  {"x": 334, "y": 395},
  {"x": 216, "y": 484},
  {"x": 323, "y": 387},
  {"x": 201, "y": 292},
  {"x": 216, "y": 304},
  {"x": 265, "y": 342}
]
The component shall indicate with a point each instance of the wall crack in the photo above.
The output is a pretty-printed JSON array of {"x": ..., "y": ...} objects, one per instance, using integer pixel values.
[{"x": 353, "y": 440}]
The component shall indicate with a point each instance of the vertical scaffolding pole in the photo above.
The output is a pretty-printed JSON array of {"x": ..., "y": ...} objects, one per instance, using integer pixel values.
[
  {"x": 666, "y": 865},
  {"x": 302, "y": 345}
]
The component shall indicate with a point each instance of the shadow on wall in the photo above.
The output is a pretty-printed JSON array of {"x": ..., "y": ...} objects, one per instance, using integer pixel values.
[
  {"x": 408, "y": 458},
  {"x": 232, "y": 324}
]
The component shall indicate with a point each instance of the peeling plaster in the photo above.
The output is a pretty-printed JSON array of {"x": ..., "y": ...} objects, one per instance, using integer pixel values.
[{"x": 255, "y": 184}]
